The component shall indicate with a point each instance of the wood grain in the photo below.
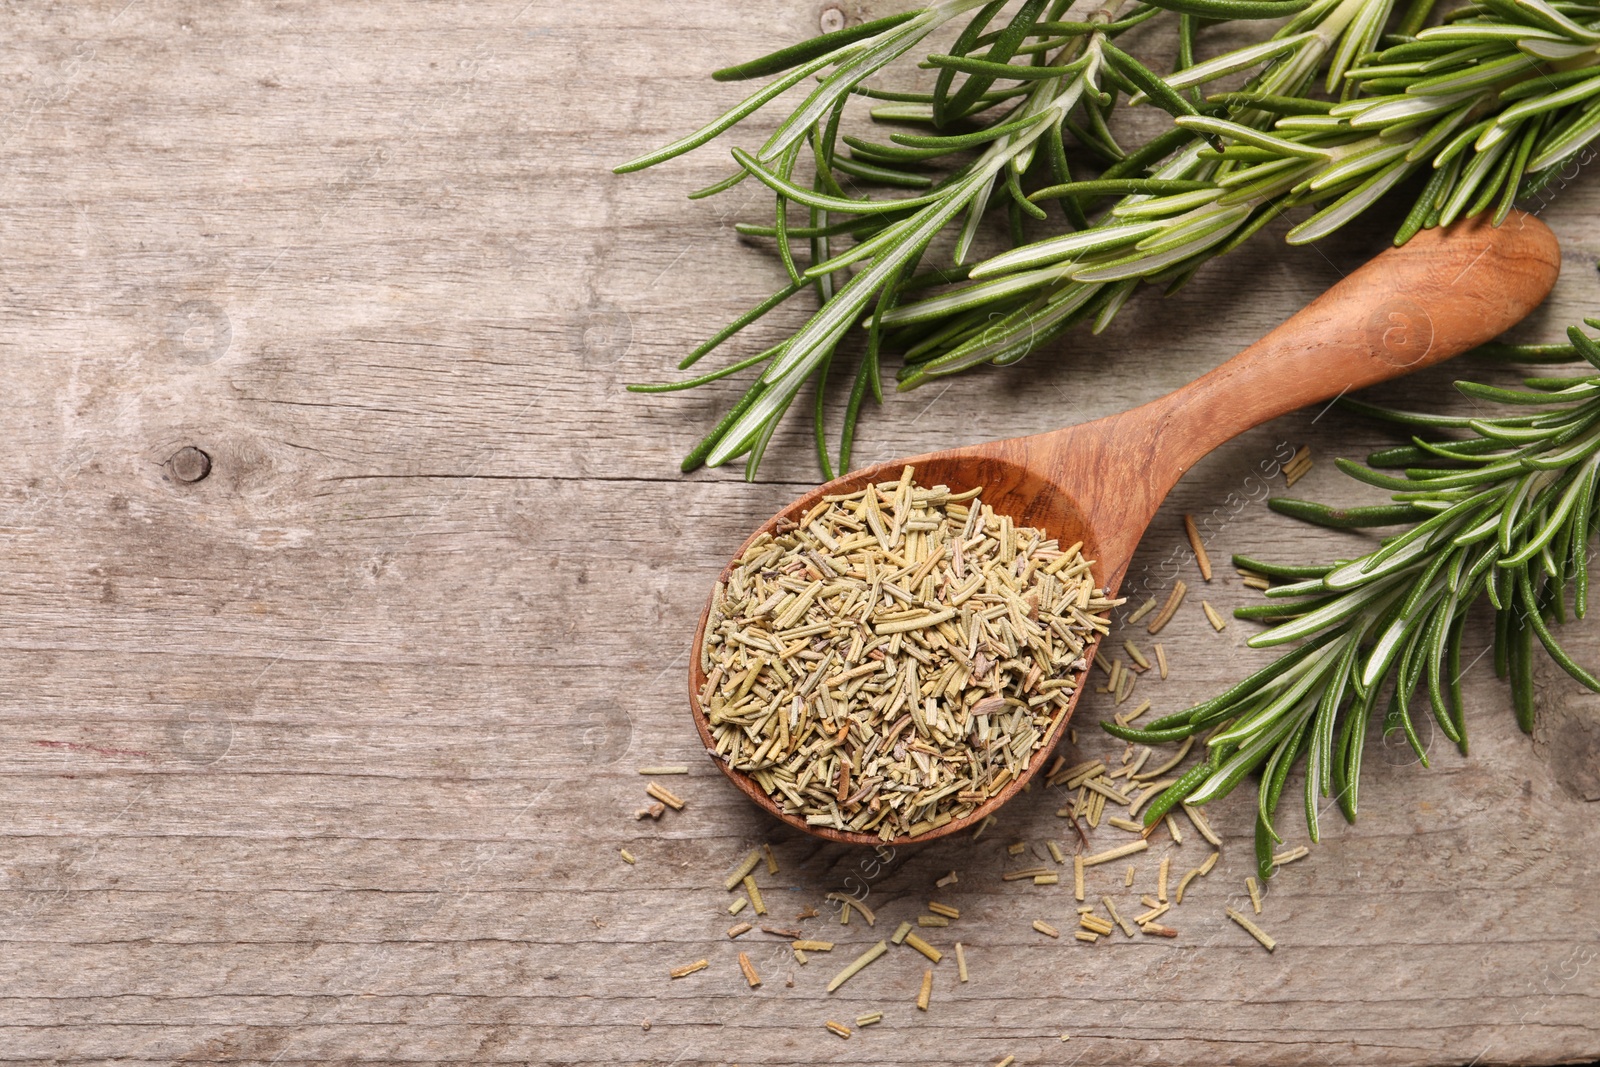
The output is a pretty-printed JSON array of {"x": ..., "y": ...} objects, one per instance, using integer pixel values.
[{"x": 327, "y": 756}]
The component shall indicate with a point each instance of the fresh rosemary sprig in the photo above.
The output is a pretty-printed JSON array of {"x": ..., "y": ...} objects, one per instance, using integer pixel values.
[
  {"x": 1492, "y": 103},
  {"x": 1505, "y": 512},
  {"x": 1185, "y": 205},
  {"x": 890, "y": 235},
  {"x": 1068, "y": 78}
]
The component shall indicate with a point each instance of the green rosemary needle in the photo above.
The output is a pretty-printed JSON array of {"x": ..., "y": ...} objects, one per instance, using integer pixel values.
[{"x": 1504, "y": 512}]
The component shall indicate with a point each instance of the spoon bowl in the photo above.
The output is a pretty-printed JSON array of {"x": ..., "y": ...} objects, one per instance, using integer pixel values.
[{"x": 1101, "y": 482}]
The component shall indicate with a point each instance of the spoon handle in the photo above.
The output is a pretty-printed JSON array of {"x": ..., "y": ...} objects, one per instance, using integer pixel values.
[{"x": 1441, "y": 293}]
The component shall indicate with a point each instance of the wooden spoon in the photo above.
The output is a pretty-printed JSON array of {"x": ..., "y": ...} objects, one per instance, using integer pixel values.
[{"x": 1100, "y": 482}]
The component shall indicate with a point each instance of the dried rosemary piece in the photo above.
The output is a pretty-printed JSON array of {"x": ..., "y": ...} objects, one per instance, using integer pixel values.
[
  {"x": 1177, "y": 758},
  {"x": 1151, "y": 916},
  {"x": 754, "y": 894},
  {"x": 923, "y": 947},
  {"x": 1099, "y": 786},
  {"x": 897, "y": 657},
  {"x": 1116, "y": 853},
  {"x": 1255, "y": 931},
  {"x": 749, "y": 970},
  {"x": 1127, "y": 928},
  {"x": 855, "y": 966},
  {"x": 848, "y": 902},
  {"x": 1199, "y": 872},
  {"x": 666, "y": 796},
  {"x": 1200, "y": 558},
  {"x": 1170, "y": 608},
  {"x": 1095, "y": 924},
  {"x": 1200, "y": 824},
  {"x": 1297, "y": 466}
]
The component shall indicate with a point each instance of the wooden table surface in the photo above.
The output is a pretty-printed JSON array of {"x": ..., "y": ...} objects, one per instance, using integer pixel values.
[{"x": 328, "y": 755}]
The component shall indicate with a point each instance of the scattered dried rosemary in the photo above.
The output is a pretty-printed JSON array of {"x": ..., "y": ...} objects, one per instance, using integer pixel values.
[{"x": 895, "y": 658}]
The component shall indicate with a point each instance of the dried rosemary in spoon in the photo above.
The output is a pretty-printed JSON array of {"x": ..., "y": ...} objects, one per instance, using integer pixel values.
[{"x": 893, "y": 660}]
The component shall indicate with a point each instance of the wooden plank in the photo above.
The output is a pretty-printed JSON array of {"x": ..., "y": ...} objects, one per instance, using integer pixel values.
[{"x": 330, "y": 754}]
